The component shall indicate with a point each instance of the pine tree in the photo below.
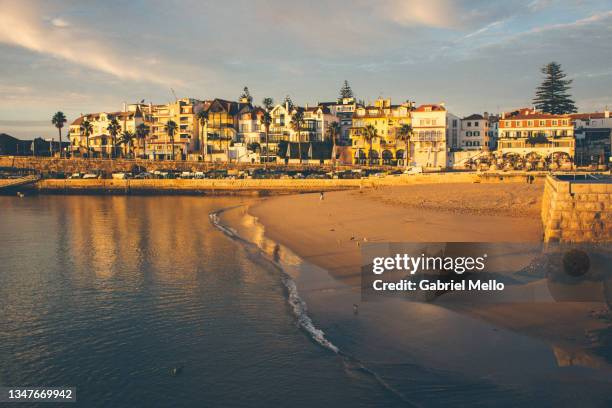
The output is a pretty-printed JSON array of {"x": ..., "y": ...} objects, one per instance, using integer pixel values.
[
  {"x": 552, "y": 96},
  {"x": 346, "y": 91}
]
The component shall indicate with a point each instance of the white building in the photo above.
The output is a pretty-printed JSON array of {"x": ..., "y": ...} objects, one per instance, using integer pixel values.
[
  {"x": 474, "y": 133},
  {"x": 428, "y": 146}
]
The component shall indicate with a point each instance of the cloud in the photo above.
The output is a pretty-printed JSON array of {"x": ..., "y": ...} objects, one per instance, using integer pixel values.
[
  {"x": 58, "y": 22},
  {"x": 23, "y": 25}
]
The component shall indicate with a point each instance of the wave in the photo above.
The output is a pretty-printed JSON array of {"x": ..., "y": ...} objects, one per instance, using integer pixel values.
[{"x": 300, "y": 310}]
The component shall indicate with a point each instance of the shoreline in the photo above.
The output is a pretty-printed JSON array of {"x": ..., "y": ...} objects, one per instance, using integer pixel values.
[{"x": 565, "y": 326}]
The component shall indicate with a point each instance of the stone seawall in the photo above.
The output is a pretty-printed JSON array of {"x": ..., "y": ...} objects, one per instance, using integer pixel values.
[
  {"x": 256, "y": 186},
  {"x": 577, "y": 211},
  {"x": 237, "y": 186}
]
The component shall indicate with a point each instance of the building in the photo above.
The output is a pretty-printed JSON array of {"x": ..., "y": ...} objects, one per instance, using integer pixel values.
[
  {"x": 474, "y": 134},
  {"x": 316, "y": 123},
  {"x": 428, "y": 146},
  {"x": 527, "y": 133},
  {"x": 593, "y": 137},
  {"x": 343, "y": 110},
  {"x": 388, "y": 147},
  {"x": 186, "y": 138},
  {"x": 222, "y": 126},
  {"x": 99, "y": 141}
]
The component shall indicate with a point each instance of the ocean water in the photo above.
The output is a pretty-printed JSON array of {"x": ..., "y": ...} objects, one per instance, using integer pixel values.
[{"x": 109, "y": 294}]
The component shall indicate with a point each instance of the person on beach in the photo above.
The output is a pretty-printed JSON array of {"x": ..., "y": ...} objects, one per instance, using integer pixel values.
[{"x": 322, "y": 196}]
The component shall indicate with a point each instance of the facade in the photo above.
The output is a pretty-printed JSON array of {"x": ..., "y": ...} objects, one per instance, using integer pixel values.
[
  {"x": 474, "y": 134},
  {"x": 527, "y": 133},
  {"x": 222, "y": 126},
  {"x": 343, "y": 110},
  {"x": 100, "y": 142},
  {"x": 593, "y": 137},
  {"x": 388, "y": 120},
  {"x": 428, "y": 147},
  {"x": 316, "y": 123},
  {"x": 280, "y": 128},
  {"x": 186, "y": 137}
]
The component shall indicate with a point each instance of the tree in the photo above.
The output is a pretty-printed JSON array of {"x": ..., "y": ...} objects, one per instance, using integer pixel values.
[
  {"x": 113, "y": 129},
  {"x": 126, "y": 140},
  {"x": 203, "y": 118},
  {"x": 404, "y": 133},
  {"x": 288, "y": 102},
  {"x": 170, "y": 130},
  {"x": 142, "y": 131},
  {"x": 58, "y": 120},
  {"x": 267, "y": 120},
  {"x": 87, "y": 129},
  {"x": 537, "y": 139},
  {"x": 334, "y": 131},
  {"x": 370, "y": 133},
  {"x": 246, "y": 94},
  {"x": 297, "y": 123},
  {"x": 346, "y": 91},
  {"x": 552, "y": 95},
  {"x": 268, "y": 103}
]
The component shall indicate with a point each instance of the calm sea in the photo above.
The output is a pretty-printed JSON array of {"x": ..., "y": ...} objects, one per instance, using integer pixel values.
[{"x": 110, "y": 294}]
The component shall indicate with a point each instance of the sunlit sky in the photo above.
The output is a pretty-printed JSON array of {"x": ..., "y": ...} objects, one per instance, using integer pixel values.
[{"x": 88, "y": 56}]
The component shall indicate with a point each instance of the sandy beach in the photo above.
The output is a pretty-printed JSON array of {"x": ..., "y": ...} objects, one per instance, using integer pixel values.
[{"x": 328, "y": 233}]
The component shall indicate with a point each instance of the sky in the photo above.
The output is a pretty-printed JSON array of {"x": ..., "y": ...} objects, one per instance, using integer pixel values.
[{"x": 81, "y": 56}]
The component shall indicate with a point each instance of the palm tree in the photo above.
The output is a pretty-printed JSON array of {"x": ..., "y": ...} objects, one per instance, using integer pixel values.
[
  {"x": 142, "y": 131},
  {"x": 58, "y": 120},
  {"x": 297, "y": 123},
  {"x": 334, "y": 131},
  {"x": 267, "y": 120},
  {"x": 405, "y": 133},
  {"x": 126, "y": 140},
  {"x": 170, "y": 130},
  {"x": 113, "y": 128},
  {"x": 87, "y": 129},
  {"x": 202, "y": 116},
  {"x": 370, "y": 133}
]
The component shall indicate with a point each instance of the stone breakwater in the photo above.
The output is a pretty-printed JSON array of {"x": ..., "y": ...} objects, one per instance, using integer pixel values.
[{"x": 577, "y": 211}]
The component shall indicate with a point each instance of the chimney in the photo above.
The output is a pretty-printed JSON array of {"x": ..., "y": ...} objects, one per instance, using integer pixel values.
[
  {"x": 503, "y": 115},
  {"x": 607, "y": 113},
  {"x": 124, "y": 107},
  {"x": 287, "y": 106}
]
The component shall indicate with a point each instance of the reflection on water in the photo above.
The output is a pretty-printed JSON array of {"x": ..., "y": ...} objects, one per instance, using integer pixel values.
[{"x": 108, "y": 294}]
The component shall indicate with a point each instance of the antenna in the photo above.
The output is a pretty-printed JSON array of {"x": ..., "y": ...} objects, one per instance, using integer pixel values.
[{"x": 174, "y": 93}]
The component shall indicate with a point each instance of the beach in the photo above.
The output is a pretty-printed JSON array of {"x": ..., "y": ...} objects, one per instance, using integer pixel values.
[{"x": 330, "y": 232}]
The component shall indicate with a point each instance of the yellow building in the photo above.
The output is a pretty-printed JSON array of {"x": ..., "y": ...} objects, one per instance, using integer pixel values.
[{"x": 388, "y": 120}]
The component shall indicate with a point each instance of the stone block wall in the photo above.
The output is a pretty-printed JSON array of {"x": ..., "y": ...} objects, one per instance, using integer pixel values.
[{"x": 577, "y": 212}]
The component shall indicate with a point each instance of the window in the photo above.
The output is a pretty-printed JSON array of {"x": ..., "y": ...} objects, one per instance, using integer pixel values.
[
  {"x": 542, "y": 123},
  {"x": 454, "y": 122},
  {"x": 555, "y": 123},
  {"x": 507, "y": 124},
  {"x": 564, "y": 122},
  {"x": 469, "y": 124},
  {"x": 475, "y": 123},
  {"x": 530, "y": 123}
]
